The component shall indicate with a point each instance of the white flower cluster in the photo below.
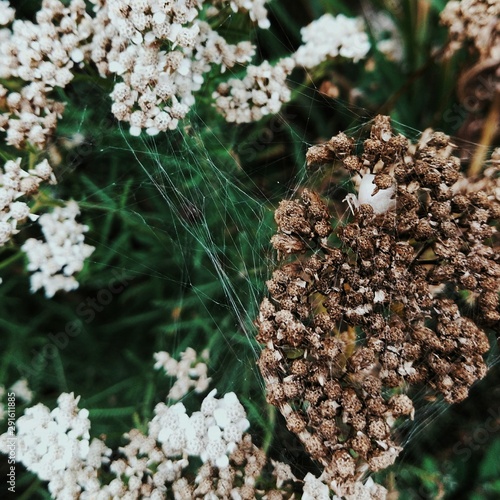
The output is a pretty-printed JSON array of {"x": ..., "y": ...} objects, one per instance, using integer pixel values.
[
  {"x": 47, "y": 51},
  {"x": 331, "y": 36},
  {"x": 16, "y": 183},
  {"x": 318, "y": 489},
  {"x": 43, "y": 54},
  {"x": 7, "y": 13},
  {"x": 22, "y": 390},
  {"x": 55, "y": 446},
  {"x": 29, "y": 115},
  {"x": 212, "y": 433},
  {"x": 189, "y": 373},
  {"x": 160, "y": 50},
  {"x": 386, "y": 33},
  {"x": 264, "y": 89},
  {"x": 315, "y": 488},
  {"x": 151, "y": 463},
  {"x": 54, "y": 261},
  {"x": 261, "y": 92}
]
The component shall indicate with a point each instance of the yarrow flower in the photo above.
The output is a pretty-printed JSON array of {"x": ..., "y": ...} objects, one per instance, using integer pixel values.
[
  {"x": 189, "y": 373},
  {"x": 349, "y": 328},
  {"x": 476, "y": 21},
  {"x": 7, "y": 13},
  {"x": 255, "y": 8},
  {"x": 261, "y": 92},
  {"x": 17, "y": 184},
  {"x": 160, "y": 51},
  {"x": 22, "y": 390},
  {"x": 43, "y": 54},
  {"x": 331, "y": 36},
  {"x": 62, "y": 254},
  {"x": 386, "y": 33},
  {"x": 56, "y": 446},
  {"x": 211, "y": 433}
]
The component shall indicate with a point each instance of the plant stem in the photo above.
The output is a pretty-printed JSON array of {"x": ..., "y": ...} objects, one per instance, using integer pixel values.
[{"x": 489, "y": 130}]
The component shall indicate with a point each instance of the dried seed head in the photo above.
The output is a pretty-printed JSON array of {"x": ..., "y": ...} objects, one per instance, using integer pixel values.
[{"x": 368, "y": 313}]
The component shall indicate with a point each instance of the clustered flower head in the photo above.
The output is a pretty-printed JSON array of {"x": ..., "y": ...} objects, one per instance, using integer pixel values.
[
  {"x": 7, "y": 13},
  {"x": 211, "y": 433},
  {"x": 316, "y": 488},
  {"x": 22, "y": 391},
  {"x": 261, "y": 92},
  {"x": 62, "y": 254},
  {"x": 28, "y": 117},
  {"x": 385, "y": 31},
  {"x": 56, "y": 446},
  {"x": 475, "y": 21},
  {"x": 47, "y": 50},
  {"x": 157, "y": 50},
  {"x": 331, "y": 36},
  {"x": 16, "y": 185},
  {"x": 263, "y": 89},
  {"x": 160, "y": 50},
  {"x": 188, "y": 372},
  {"x": 42, "y": 54},
  {"x": 399, "y": 297}
]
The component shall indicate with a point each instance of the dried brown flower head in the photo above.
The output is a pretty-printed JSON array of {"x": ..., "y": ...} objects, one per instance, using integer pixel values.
[{"x": 399, "y": 296}]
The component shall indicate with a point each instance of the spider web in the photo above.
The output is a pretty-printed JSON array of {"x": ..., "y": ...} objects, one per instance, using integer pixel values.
[{"x": 231, "y": 218}]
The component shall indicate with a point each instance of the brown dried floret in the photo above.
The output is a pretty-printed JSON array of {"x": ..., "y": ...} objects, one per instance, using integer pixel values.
[
  {"x": 361, "y": 444},
  {"x": 291, "y": 218},
  {"x": 341, "y": 145},
  {"x": 296, "y": 422},
  {"x": 383, "y": 181},
  {"x": 319, "y": 155},
  {"x": 353, "y": 164},
  {"x": 288, "y": 244},
  {"x": 401, "y": 404},
  {"x": 329, "y": 430},
  {"x": 342, "y": 464},
  {"x": 351, "y": 403},
  {"x": 299, "y": 367},
  {"x": 315, "y": 446}
]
